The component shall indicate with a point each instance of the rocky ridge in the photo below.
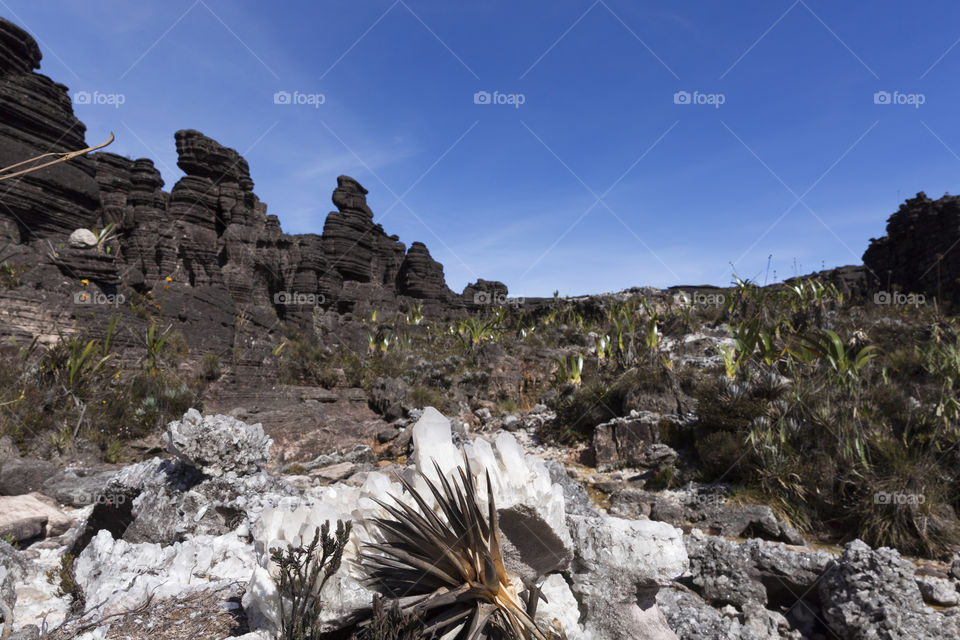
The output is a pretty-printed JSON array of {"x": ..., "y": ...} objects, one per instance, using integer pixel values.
[{"x": 199, "y": 255}]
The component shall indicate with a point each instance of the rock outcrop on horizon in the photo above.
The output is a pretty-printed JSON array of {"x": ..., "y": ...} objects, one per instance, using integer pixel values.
[{"x": 919, "y": 254}]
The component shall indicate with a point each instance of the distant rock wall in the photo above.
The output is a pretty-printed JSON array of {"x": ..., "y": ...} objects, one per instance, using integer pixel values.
[{"x": 921, "y": 251}]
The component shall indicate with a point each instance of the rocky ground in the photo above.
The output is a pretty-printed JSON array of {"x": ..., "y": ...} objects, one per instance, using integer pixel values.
[{"x": 176, "y": 545}]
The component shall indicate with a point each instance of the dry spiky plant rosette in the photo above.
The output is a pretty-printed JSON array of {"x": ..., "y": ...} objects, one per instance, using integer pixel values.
[{"x": 449, "y": 570}]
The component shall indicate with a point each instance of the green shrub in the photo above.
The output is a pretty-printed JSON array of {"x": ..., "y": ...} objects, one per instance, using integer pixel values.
[
  {"x": 424, "y": 396},
  {"x": 720, "y": 454},
  {"x": 64, "y": 578},
  {"x": 661, "y": 479},
  {"x": 210, "y": 366}
]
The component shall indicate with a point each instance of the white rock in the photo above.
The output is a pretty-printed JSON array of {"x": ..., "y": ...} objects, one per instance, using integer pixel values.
[
  {"x": 218, "y": 444},
  {"x": 616, "y": 572},
  {"x": 617, "y": 555},
  {"x": 432, "y": 442},
  {"x": 561, "y": 605},
  {"x": 82, "y": 239},
  {"x": 116, "y": 575}
]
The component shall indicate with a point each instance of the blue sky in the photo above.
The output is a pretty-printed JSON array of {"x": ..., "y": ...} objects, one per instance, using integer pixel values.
[{"x": 606, "y": 176}]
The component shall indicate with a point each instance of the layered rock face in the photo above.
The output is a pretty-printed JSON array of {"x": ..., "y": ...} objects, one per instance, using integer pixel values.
[
  {"x": 204, "y": 253},
  {"x": 36, "y": 116},
  {"x": 918, "y": 254}
]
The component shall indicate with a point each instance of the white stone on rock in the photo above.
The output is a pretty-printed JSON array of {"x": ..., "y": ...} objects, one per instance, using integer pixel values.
[{"x": 82, "y": 239}]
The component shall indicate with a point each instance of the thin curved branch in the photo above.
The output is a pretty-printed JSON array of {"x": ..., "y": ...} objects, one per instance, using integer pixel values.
[{"x": 61, "y": 157}]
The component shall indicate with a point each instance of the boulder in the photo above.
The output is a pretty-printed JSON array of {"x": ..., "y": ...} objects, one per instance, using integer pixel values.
[
  {"x": 940, "y": 592},
  {"x": 576, "y": 500},
  {"x": 30, "y": 516},
  {"x": 624, "y": 442},
  {"x": 707, "y": 509},
  {"x": 617, "y": 570},
  {"x": 755, "y": 571},
  {"x": 693, "y": 619},
  {"x": 13, "y": 568},
  {"x": 872, "y": 593},
  {"x": 82, "y": 239},
  {"x": 218, "y": 444},
  {"x": 159, "y": 501},
  {"x": 115, "y": 575},
  {"x": 78, "y": 486},
  {"x": 24, "y": 475},
  {"x": 390, "y": 398}
]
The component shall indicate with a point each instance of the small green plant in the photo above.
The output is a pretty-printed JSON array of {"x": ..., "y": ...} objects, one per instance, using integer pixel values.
[
  {"x": 571, "y": 370},
  {"x": 415, "y": 315},
  {"x": 302, "y": 577},
  {"x": 64, "y": 578},
  {"x": 10, "y": 275},
  {"x": 210, "y": 366},
  {"x": 155, "y": 340},
  {"x": 843, "y": 364},
  {"x": 104, "y": 237}
]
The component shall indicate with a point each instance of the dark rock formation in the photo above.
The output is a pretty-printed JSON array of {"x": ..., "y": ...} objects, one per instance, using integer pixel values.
[
  {"x": 484, "y": 292},
  {"x": 919, "y": 253},
  {"x": 624, "y": 441},
  {"x": 421, "y": 276},
  {"x": 36, "y": 117},
  {"x": 205, "y": 256}
]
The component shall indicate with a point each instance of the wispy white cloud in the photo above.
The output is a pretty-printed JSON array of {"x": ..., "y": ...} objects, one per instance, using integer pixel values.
[{"x": 345, "y": 162}]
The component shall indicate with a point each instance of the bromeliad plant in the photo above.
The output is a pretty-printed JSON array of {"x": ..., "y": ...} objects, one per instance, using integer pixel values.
[{"x": 448, "y": 568}]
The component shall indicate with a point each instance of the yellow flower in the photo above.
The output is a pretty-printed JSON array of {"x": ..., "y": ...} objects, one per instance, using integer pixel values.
[
  {"x": 84, "y": 282},
  {"x": 169, "y": 279}
]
